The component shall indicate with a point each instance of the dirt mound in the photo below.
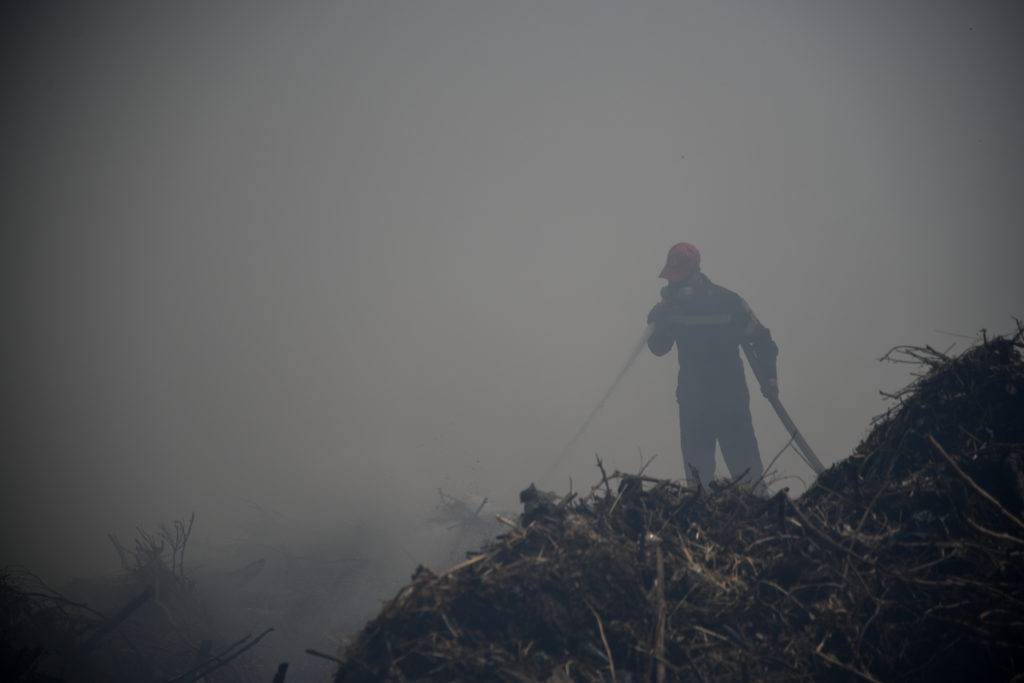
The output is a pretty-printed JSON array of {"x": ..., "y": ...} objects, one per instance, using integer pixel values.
[{"x": 903, "y": 562}]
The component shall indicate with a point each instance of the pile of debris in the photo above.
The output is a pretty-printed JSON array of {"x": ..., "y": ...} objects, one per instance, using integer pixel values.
[{"x": 903, "y": 562}]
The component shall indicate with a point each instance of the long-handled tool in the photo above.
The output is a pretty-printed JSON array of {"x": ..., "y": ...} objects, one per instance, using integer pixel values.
[{"x": 803, "y": 448}]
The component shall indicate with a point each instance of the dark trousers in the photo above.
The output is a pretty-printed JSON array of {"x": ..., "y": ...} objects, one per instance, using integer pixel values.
[{"x": 732, "y": 428}]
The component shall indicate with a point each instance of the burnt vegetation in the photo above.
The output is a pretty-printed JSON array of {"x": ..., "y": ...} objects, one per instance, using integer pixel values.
[
  {"x": 154, "y": 623},
  {"x": 903, "y": 562}
]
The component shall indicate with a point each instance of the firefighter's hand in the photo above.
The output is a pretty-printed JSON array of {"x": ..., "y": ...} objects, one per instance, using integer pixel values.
[
  {"x": 770, "y": 388},
  {"x": 661, "y": 314},
  {"x": 657, "y": 314}
]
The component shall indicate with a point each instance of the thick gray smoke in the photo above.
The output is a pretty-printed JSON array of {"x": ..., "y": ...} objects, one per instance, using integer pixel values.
[{"x": 329, "y": 258}]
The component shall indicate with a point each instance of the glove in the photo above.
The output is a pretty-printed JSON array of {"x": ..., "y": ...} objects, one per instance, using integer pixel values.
[
  {"x": 770, "y": 388},
  {"x": 658, "y": 314}
]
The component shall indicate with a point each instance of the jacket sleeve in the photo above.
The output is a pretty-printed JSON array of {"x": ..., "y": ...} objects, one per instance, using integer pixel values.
[
  {"x": 758, "y": 339},
  {"x": 661, "y": 339}
]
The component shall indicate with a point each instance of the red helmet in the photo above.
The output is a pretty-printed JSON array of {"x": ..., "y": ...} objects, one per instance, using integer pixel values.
[{"x": 683, "y": 261}]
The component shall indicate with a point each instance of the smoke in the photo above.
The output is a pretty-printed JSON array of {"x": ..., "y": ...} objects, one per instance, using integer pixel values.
[{"x": 331, "y": 259}]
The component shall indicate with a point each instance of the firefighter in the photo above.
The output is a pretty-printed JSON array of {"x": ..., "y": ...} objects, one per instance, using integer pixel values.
[{"x": 707, "y": 323}]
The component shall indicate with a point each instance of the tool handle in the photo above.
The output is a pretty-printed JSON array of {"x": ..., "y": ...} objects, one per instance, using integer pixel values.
[{"x": 803, "y": 447}]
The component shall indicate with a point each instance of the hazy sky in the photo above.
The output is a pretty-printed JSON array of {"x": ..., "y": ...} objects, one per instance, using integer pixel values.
[{"x": 331, "y": 256}]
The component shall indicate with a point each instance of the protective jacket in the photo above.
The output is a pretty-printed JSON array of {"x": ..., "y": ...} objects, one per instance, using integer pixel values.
[{"x": 707, "y": 324}]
